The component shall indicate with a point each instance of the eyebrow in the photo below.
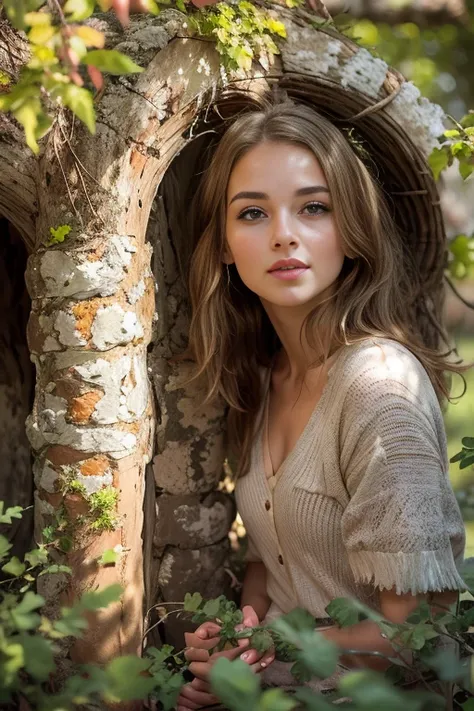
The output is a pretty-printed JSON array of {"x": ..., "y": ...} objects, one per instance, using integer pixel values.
[{"x": 250, "y": 195}]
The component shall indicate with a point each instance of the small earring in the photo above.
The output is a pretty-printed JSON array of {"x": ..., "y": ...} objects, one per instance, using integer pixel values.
[{"x": 228, "y": 275}]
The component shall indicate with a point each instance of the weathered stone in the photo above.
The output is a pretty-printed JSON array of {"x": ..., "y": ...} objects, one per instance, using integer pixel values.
[
  {"x": 201, "y": 570},
  {"x": 192, "y": 521}
]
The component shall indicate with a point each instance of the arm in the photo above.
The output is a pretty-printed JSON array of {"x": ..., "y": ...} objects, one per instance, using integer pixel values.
[
  {"x": 254, "y": 590},
  {"x": 366, "y": 636}
]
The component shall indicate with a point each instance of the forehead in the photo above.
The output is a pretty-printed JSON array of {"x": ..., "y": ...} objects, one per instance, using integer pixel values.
[{"x": 277, "y": 164}]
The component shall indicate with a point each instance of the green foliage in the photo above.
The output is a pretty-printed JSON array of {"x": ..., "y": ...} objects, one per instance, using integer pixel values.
[
  {"x": 111, "y": 61},
  {"x": 461, "y": 256},
  {"x": 28, "y": 648},
  {"x": 28, "y": 651},
  {"x": 466, "y": 456},
  {"x": 242, "y": 31},
  {"x": 103, "y": 507},
  {"x": 67, "y": 55},
  {"x": 58, "y": 234}
]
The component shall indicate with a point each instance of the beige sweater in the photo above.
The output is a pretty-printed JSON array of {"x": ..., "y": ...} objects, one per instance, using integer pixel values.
[{"x": 363, "y": 501}]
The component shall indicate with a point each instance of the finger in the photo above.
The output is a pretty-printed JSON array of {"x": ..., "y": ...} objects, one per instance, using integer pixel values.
[
  {"x": 121, "y": 10},
  {"x": 201, "y": 685},
  {"x": 194, "y": 654},
  {"x": 251, "y": 656},
  {"x": 207, "y": 630},
  {"x": 233, "y": 653},
  {"x": 200, "y": 698},
  {"x": 262, "y": 664},
  {"x": 192, "y": 640},
  {"x": 250, "y": 616},
  {"x": 201, "y": 670}
]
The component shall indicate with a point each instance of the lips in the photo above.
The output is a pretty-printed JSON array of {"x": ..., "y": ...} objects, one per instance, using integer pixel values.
[{"x": 287, "y": 264}]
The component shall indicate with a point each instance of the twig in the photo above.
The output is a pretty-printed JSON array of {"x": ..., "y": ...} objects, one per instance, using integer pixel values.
[
  {"x": 64, "y": 176},
  {"x": 469, "y": 304}
]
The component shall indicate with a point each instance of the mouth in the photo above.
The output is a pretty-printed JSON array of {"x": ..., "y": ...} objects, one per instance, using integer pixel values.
[
  {"x": 288, "y": 269},
  {"x": 284, "y": 265}
]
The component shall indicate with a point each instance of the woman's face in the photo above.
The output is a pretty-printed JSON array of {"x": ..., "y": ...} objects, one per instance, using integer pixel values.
[{"x": 280, "y": 228}]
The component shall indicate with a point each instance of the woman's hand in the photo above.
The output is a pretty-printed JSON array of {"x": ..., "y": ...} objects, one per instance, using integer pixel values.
[
  {"x": 198, "y": 693},
  {"x": 199, "y": 643},
  {"x": 257, "y": 660},
  {"x": 124, "y": 7}
]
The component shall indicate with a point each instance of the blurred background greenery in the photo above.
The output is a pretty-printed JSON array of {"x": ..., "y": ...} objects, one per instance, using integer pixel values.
[{"x": 433, "y": 46}]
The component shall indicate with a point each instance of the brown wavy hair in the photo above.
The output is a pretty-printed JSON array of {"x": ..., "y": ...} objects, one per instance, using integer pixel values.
[{"x": 231, "y": 336}]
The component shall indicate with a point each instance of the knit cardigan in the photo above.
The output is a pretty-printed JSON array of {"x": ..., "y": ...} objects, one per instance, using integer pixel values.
[{"x": 363, "y": 502}]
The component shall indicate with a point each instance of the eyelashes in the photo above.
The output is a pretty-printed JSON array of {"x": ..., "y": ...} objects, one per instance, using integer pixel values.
[{"x": 251, "y": 214}]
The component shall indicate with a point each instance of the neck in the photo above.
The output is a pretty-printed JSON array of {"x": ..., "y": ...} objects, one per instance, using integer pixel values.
[{"x": 289, "y": 324}]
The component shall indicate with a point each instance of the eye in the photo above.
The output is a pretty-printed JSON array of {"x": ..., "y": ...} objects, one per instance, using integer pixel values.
[
  {"x": 315, "y": 208},
  {"x": 250, "y": 214}
]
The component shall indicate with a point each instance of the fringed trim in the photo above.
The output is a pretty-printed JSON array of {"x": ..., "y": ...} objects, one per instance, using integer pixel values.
[{"x": 419, "y": 572}]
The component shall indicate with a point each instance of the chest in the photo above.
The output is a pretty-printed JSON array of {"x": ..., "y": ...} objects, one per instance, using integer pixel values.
[{"x": 288, "y": 412}]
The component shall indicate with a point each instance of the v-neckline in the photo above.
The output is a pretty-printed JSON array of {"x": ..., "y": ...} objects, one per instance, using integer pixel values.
[{"x": 264, "y": 440}]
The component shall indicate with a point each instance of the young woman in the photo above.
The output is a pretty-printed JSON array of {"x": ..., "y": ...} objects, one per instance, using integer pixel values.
[{"x": 304, "y": 321}]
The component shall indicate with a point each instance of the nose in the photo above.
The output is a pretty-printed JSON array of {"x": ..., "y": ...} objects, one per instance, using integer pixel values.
[{"x": 282, "y": 234}]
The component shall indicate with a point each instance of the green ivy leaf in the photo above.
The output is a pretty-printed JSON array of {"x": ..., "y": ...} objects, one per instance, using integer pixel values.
[
  {"x": 11, "y": 512},
  {"x": 468, "y": 442},
  {"x": 467, "y": 461},
  {"x": 211, "y": 608},
  {"x": 13, "y": 662},
  {"x": 5, "y": 546},
  {"x": 126, "y": 681},
  {"x": 261, "y": 640},
  {"x": 80, "y": 101},
  {"x": 58, "y": 234},
  {"x": 14, "y": 567},
  {"x": 79, "y": 10},
  {"x": 96, "y": 599},
  {"x": 111, "y": 61},
  {"x": 192, "y": 602},
  {"x": 71, "y": 624},
  {"x": 108, "y": 557},
  {"x": 38, "y": 656},
  {"x": 347, "y": 612},
  {"x": 275, "y": 700},
  {"x": 235, "y": 684},
  {"x": 23, "y": 616},
  {"x": 438, "y": 161},
  {"x": 312, "y": 701},
  {"x": 17, "y": 9},
  {"x": 465, "y": 170},
  {"x": 372, "y": 692},
  {"x": 38, "y": 556},
  {"x": 55, "y": 568}
]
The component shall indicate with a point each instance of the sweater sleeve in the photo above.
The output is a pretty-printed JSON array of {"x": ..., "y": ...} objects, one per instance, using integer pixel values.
[
  {"x": 402, "y": 527},
  {"x": 252, "y": 555}
]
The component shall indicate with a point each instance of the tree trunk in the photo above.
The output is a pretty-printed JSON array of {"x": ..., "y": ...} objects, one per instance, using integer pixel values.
[{"x": 422, "y": 12}]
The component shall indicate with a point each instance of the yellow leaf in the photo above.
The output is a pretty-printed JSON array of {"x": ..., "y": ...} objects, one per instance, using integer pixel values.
[
  {"x": 41, "y": 34},
  {"x": 90, "y": 36},
  {"x": 37, "y": 18}
]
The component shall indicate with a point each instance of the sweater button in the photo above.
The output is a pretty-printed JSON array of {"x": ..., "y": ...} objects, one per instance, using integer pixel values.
[
  {"x": 280, "y": 559},
  {"x": 268, "y": 505}
]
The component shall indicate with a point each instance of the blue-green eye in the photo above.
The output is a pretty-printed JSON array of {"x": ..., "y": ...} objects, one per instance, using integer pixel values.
[
  {"x": 250, "y": 214},
  {"x": 315, "y": 208}
]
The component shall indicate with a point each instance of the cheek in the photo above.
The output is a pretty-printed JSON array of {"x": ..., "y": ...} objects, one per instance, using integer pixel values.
[{"x": 245, "y": 245}]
